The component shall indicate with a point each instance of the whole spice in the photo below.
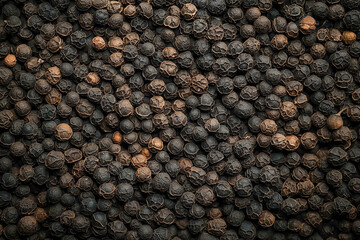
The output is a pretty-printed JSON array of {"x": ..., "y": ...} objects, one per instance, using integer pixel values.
[
  {"x": 183, "y": 119},
  {"x": 307, "y": 25},
  {"x": 10, "y": 60}
]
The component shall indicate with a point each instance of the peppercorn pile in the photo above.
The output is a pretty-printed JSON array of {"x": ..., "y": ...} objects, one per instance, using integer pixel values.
[{"x": 180, "y": 119}]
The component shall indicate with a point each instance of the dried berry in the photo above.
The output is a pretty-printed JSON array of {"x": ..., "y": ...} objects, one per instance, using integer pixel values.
[{"x": 180, "y": 119}]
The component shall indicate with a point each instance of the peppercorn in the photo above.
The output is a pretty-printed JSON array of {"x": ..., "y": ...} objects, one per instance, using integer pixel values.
[
  {"x": 307, "y": 25},
  {"x": 63, "y": 132},
  {"x": 27, "y": 225},
  {"x": 10, "y": 60},
  {"x": 335, "y": 121}
]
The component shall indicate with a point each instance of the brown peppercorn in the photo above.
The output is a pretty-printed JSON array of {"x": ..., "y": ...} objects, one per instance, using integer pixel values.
[
  {"x": 117, "y": 137},
  {"x": 292, "y": 143},
  {"x": 288, "y": 110},
  {"x": 188, "y": 11},
  {"x": 309, "y": 140},
  {"x": 124, "y": 158},
  {"x": 178, "y": 105},
  {"x": 130, "y": 11},
  {"x": 172, "y": 21},
  {"x": 53, "y": 97},
  {"x": 115, "y": 44},
  {"x": 168, "y": 68},
  {"x": 157, "y": 104},
  {"x": 322, "y": 34},
  {"x": 307, "y": 25},
  {"x": 301, "y": 100},
  {"x": 98, "y": 43},
  {"x": 279, "y": 41},
  {"x": 335, "y": 121},
  {"x": 53, "y": 75},
  {"x": 78, "y": 169},
  {"x": 92, "y": 78},
  {"x": 116, "y": 59},
  {"x": 157, "y": 87},
  {"x": 33, "y": 64},
  {"x": 146, "y": 152},
  {"x": 123, "y": 92},
  {"x": 306, "y": 188},
  {"x": 335, "y": 35},
  {"x": 22, "y": 108},
  {"x": 212, "y": 178},
  {"x": 40, "y": 215},
  {"x": 63, "y": 132},
  {"x": 252, "y": 14},
  {"x": 279, "y": 91},
  {"x": 212, "y": 125},
  {"x": 266, "y": 219},
  {"x": 251, "y": 45},
  {"x": 262, "y": 24},
  {"x": 215, "y": 33},
  {"x": 306, "y": 59},
  {"x": 178, "y": 119},
  {"x": 184, "y": 93},
  {"x": 10, "y": 60},
  {"x": 309, "y": 161},
  {"x": 294, "y": 88},
  {"x": 170, "y": 53},
  {"x": 263, "y": 140},
  {"x": 67, "y": 180},
  {"x": 54, "y": 44},
  {"x": 318, "y": 50},
  {"x": 160, "y": 121},
  {"x": 124, "y": 108},
  {"x": 289, "y": 188},
  {"x": 26, "y": 173},
  {"x": 27, "y": 225},
  {"x": 348, "y": 37},
  {"x": 174, "y": 10},
  {"x": 155, "y": 145},
  {"x": 143, "y": 174},
  {"x": 292, "y": 127},
  {"x": 268, "y": 127},
  {"x": 199, "y": 84},
  {"x": 139, "y": 160},
  {"x": 216, "y": 227},
  {"x": 279, "y": 140},
  {"x": 99, "y": 4},
  {"x": 132, "y": 38},
  {"x": 214, "y": 213},
  {"x": 185, "y": 164},
  {"x": 106, "y": 190}
]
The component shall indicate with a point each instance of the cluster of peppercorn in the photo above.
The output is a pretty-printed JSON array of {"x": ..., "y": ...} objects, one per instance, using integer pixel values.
[{"x": 180, "y": 119}]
